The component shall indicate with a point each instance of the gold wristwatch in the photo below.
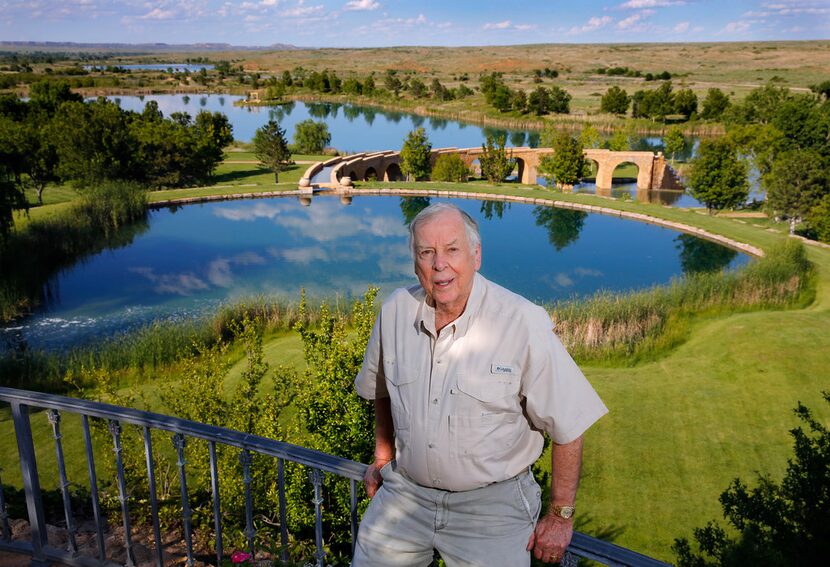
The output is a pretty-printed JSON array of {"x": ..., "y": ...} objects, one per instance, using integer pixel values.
[{"x": 564, "y": 512}]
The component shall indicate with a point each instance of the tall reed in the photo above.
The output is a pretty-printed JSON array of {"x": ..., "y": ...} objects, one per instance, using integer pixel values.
[{"x": 626, "y": 327}]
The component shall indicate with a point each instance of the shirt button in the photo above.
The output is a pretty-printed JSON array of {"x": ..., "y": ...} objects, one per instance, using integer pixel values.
[
  {"x": 439, "y": 361},
  {"x": 436, "y": 482},
  {"x": 431, "y": 445},
  {"x": 435, "y": 400}
]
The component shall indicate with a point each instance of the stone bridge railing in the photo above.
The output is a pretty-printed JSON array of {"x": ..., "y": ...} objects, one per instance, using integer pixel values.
[{"x": 653, "y": 172}]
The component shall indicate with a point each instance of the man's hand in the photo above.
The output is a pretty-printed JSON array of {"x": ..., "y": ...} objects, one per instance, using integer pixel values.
[
  {"x": 551, "y": 537},
  {"x": 372, "y": 478}
]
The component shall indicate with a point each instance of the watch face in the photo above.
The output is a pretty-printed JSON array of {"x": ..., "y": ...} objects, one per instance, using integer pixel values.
[{"x": 564, "y": 511}]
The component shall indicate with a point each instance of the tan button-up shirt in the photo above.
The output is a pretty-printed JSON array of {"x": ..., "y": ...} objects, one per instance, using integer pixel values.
[{"x": 469, "y": 404}]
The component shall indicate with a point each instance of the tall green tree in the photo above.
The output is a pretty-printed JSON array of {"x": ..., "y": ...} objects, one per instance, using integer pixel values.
[
  {"x": 714, "y": 105},
  {"x": 718, "y": 178},
  {"x": 777, "y": 524},
  {"x": 674, "y": 141},
  {"x": 798, "y": 181},
  {"x": 685, "y": 103},
  {"x": 496, "y": 162},
  {"x": 311, "y": 137},
  {"x": 271, "y": 148},
  {"x": 450, "y": 167},
  {"x": 415, "y": 155},
  {"x": 615, "y": 101},
  {"x": 567, "y": 163}
]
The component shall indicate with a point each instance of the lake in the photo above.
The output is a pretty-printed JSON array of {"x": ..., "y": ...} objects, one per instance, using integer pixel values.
[{"x": 187, "y": 261}]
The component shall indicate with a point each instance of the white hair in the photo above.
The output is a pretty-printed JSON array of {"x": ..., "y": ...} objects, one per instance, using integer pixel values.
[{"x": 430, "y": 212}]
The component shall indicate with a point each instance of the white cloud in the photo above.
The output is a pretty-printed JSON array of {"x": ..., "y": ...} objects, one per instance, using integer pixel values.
[
  {"x": 498, "y": 25},
  {"x": 639, "y": 4},
  {"x": 682, "y": 27},
  {"x": 361, "y": 5},
  {"x": 305, "y": 255},
  {"x": 563, "y": 280},
  {"x": 736, "y": 27},
  {"x": 629, "y": 22},
  {"x": 304, "y": 11},
  {"x": 508, "y": 25},
  {"x": 158, "y": 14},
  {"x": 593, "y": 24}
]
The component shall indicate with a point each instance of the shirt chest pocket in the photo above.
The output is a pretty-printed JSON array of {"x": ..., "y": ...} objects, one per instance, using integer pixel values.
[
  {"x": 402, "y": 384},
  {"x": 488, "y": 393}
]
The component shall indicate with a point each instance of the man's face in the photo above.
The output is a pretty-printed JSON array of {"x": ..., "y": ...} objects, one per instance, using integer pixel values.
[{"x": 444, "y": 262}]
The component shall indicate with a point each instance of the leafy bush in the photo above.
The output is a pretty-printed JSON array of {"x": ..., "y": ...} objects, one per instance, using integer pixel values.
[{"x": 450, "y": 167}]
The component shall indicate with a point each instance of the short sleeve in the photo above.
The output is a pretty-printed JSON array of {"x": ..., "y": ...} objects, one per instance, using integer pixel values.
[
  {"x": 558, "y": 397},
  {"x": 371, "y": 382}
]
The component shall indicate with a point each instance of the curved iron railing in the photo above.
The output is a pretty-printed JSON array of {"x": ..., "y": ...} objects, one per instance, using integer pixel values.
[{"x": 23, "y": 402}]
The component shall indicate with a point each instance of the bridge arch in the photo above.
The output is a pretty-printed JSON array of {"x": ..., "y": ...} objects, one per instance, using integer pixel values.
[
  {"x": 393, "y": 172},
  {"x": 370, "y": 175}
]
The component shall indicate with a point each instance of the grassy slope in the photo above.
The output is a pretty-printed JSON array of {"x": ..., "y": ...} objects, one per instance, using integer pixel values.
[{"x": 680, "y": 428}]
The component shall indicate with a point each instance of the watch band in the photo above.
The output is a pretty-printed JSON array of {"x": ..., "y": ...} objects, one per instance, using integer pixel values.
[{"x": 564, "y": 512}]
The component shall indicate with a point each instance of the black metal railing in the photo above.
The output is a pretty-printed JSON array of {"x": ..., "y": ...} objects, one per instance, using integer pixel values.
[{"x": 23, "y": 403}]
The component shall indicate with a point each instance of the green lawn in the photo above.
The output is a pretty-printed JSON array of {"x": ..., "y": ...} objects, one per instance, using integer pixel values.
[{"x": 680, "y": 428}]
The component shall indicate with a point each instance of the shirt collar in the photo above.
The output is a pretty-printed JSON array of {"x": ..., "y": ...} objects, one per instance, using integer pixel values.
[{"x": 426, "y": 314}]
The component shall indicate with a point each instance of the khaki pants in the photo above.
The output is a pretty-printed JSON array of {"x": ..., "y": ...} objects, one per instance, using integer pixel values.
[{"x": 488, "y": 526}]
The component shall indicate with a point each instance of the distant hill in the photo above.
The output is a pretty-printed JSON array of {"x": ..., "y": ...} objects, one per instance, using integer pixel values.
[{"x": 137, "y": 47}]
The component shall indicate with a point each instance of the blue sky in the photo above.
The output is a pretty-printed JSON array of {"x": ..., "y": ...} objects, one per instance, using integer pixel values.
[{"x": 369, "y": 23}]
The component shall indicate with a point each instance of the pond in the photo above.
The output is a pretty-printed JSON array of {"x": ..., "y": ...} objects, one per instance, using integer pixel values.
[
  {"x": 356, "y": 128},
  {"x": 185, "y": 262}
]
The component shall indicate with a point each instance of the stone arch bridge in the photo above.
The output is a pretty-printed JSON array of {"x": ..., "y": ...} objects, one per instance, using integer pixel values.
[{"x": 653, "y": 172}]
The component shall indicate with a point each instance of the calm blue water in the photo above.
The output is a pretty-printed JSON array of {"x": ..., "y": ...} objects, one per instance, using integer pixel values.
[{"x": 192, "y": 259}]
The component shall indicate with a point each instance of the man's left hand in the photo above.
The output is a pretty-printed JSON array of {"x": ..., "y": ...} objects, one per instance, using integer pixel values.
[{"x": 550, "y": 538}]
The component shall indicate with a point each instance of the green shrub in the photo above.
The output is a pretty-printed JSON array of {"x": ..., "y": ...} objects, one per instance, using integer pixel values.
[{"x": 450, "y": 167}]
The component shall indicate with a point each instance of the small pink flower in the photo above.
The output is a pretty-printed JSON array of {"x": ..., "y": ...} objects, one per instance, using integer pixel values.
[{"x": 240, "y": 557}]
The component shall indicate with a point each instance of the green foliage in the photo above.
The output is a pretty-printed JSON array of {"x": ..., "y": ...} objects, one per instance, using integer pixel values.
[
  {"x": 496, "y": 162},
  {"x": 620, "y": 140},
  {"x": 311, "y": 137},
  {"x": 655, "y": 104},
  {"x": 589, "y": 137},
  {"x": 615, "y": 101},
  {"x": 714, "y": 105},
  {"x": 779, "y": 524},
  {"x": 797, "y": 182},
  {"x": 496, "y": 93},
  {"x": 415, "y": 155},
  {"x": 674, "y": 141},
  {"x": 450, "y": 167},
  {"x": 567, "y": 163},
  {"x": 12, "y": 198},
  {"x": 685, "y": 103},
  {"x": 112, "y": 205},
  {"x": 718, "y": 178},
  {"x": 819, "y": 219},
  {"x": 271, "y": 148},
  {"x": 336, "y": 419}
]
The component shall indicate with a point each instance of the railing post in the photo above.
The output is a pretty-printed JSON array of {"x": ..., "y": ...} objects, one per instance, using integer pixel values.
[
  {"x": 245, "y": 460},
  {"x": 154, "y": 505},
  {"x": 93, "y": 488},
  {"x": 179, "y": 442},
  {"x": 31, "y": 482},
  {"x": 55, "y": 421},
  {"x": 217, "y": 509},
  {"x": 316, "y": 476},
  {"x": 115, "y": 431}
]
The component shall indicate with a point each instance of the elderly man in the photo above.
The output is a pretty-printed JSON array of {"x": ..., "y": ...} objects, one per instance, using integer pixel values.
[{"x": 466, "y": 376}]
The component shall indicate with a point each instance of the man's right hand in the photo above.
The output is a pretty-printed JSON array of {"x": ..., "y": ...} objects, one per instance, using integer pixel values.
[{"x": 372, "y": 478}]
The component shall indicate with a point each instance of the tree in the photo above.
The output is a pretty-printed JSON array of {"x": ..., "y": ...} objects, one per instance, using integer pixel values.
[
  {"x": 778, "y": 524},
  {"x": 589, "y": 136},
  {"x": 40, "y": 157},
  {"x": 674, "y": 141},
  {"x": 798, "y": 181},
  {"x": 12, "y": 198},
  {"x": 822, "y": 89},
  {"x": 620, "y": 140},
  {"x": 685, "y": 103},
  {"x": 391, "y": 81},
  {"x": 567, "y": 163},
  {"x": 271, "y": 148},
  {"x": 450, "y": 167},
  {"x": 539, "y": 101},
  {"x": 702, "y": 256},
  {"x": 418, "y": 88},
  {"x": 714, "y": 105},
  {"x": 718, "y": 178},
  {"x": 415, "y": 155},
  {"x": 560, "y": 100},
  {"x": 615, "y": 101},
  {"x": 48, "y": 95},
  {"x": 311, "y": 137},
  {"x": 496, "y": 162},
  {"x": 411, "y": 206},
  {"x": 819, "y": 219}
]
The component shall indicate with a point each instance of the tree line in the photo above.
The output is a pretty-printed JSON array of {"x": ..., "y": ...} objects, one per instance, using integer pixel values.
[{"x": 55, "y": 137}]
